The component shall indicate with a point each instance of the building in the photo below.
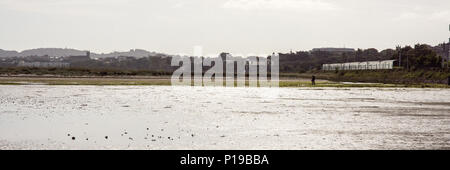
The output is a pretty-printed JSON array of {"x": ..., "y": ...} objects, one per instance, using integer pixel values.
[
  {"x": 334, "y": 50},
  {"x": 125, "y": 58},
  {"x": 368, "y": 65},
  {"x": 80, "y": 58},
  {"x": 39, "y": 64}
]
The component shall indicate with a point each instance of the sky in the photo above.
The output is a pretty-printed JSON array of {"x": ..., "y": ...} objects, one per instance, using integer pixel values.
[{"x": 236, "y": 26}]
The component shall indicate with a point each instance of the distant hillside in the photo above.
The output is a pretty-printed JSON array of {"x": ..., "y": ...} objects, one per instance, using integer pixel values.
[
  {"x": 132, "y": 53},
  {"x": 63, "y": 52},
  {"x": 4, "y": 53}
]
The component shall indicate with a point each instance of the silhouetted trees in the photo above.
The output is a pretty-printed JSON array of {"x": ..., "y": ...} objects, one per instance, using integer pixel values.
[{"x": 422, "y": 56}]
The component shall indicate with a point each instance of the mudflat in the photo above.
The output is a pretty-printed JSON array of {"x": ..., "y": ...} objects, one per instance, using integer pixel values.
[{"x": 166, "y": 117}]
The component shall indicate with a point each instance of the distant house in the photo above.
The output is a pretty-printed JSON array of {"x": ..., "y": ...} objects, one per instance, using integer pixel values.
[
  {"x": 43, "y": 64},
  {"x": 368, "y": 65},
  {"x": 125, "y": 58},
  {"x": 80, "y": 58}
]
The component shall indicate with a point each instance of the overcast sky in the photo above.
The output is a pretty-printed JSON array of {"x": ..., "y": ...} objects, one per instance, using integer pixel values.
[{"x": 237, "y": 26}]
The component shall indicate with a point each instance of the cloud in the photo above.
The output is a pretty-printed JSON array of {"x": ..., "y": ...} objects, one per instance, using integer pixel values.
[
  {"x": 65, "y": 7},
  {"x": 440, "y": 15},
  {"x": 179, "y": 5},
  {"x": 436, "y": 15},
  {"x": 408, "y": 16},
  {"x": 306, "y": 5}
]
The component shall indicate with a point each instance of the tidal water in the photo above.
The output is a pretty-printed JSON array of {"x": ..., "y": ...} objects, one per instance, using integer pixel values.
[{"x": 164, "y": 117}]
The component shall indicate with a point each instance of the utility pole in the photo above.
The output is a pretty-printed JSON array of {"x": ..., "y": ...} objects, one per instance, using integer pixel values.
[
  {"x": 407, "y": 62},
  {"x": 399, "y": 49},
  {"x": 446, "y": 54}
]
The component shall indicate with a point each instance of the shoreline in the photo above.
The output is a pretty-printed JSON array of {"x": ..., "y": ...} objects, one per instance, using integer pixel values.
[{"x": 166, "y": 81}]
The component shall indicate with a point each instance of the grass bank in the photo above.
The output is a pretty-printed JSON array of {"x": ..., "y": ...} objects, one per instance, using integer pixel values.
[
  {"x": 416, "y": 78},
  {"x": 102, "y": 81},
  {"x": 80, "y": 76},
  {"x": 73, "y": 72}
]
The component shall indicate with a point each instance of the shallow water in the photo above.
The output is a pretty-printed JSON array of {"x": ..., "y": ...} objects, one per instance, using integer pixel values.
[{"x": 164, "y": 117}]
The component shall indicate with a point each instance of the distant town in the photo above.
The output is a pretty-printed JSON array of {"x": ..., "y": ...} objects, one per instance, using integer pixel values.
[{"x": 420, "y": 56}]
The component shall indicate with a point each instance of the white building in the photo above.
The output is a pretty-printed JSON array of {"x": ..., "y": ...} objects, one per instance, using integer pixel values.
[
  {"x": 44, "y": 64},
  {"x": 368, "y": 65}
]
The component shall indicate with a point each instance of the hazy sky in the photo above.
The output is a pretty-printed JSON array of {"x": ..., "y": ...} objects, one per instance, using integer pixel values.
[{"x": 237, "y": 26}]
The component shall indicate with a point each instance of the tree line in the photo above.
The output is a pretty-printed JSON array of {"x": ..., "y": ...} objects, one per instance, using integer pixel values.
[{"x": 421, "y": 56}]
